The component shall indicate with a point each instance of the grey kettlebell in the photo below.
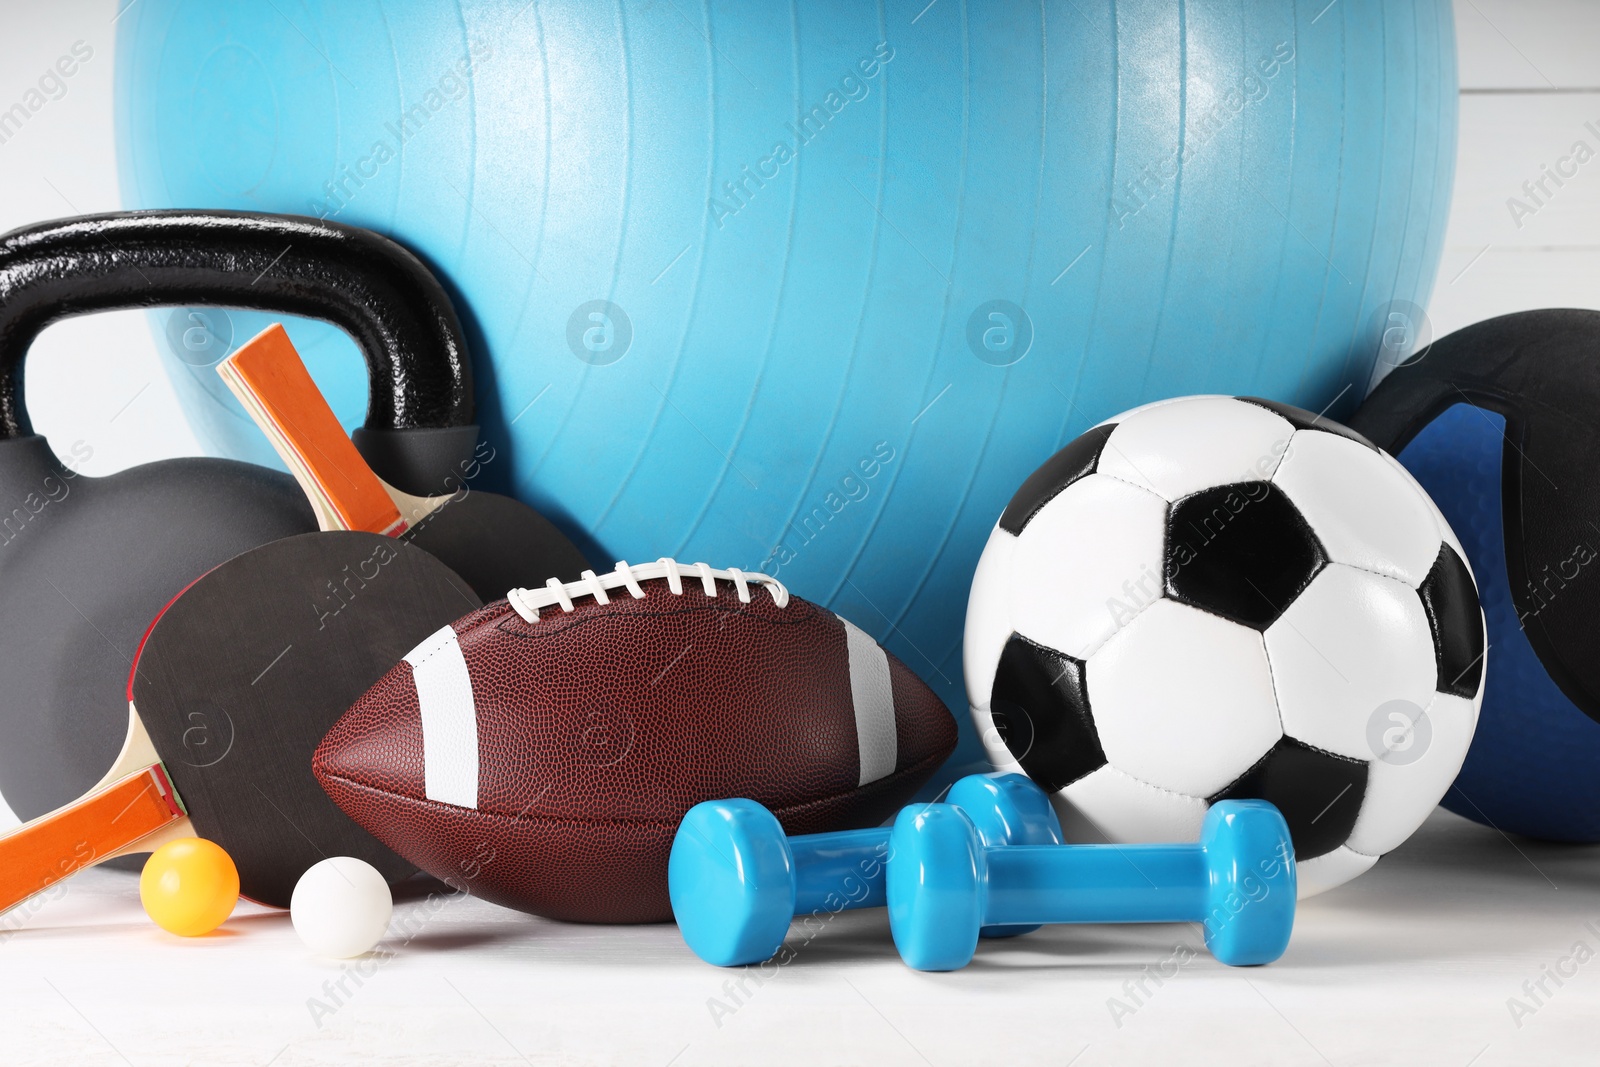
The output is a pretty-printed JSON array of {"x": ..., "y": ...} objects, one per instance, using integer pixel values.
[{"x": 86, "y": 563}]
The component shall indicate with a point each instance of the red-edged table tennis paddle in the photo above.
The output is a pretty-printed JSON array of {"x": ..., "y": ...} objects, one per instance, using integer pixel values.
[{"x": 235, "y": 684}]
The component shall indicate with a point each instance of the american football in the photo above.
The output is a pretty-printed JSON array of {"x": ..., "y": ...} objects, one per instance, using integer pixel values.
[{"x": 541, "y": 751}]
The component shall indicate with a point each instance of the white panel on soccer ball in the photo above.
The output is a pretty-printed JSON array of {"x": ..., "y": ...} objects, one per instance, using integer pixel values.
[
  {"x": 1422, "y": 753},
  {"x": 1183, "y": 699},
  {"x": 988, "y": 621},
  {"x": 1362, "y": 512},
  {"x": 1328, "y": 870},
  {"x": 1352, "y": 643},
  {"x": 1131, "y": 412},
  {"x": 1109, "y": 805},
  {"x": 1085, "y": 565},
  {"x": 1445, "y": 531},
  {"x": 999, "y": 757},
  {"x": 1196, "y": 443}
]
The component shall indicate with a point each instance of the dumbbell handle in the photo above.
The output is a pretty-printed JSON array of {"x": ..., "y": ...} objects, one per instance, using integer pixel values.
[
  {"x": 839, "y": 871},
  {"x": 1095, "y": 884}
]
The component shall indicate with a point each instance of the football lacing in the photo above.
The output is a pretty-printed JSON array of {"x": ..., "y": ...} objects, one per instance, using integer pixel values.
[{"x": 527, "y": 602}]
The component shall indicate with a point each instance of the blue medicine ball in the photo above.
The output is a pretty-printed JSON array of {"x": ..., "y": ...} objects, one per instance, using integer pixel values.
[{"x": 1500, "y": 422}]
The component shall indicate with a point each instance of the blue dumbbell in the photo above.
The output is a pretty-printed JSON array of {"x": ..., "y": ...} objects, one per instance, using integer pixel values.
[
  {"x": 737, "y": 881},
  {"x": 945, "y": 883}
]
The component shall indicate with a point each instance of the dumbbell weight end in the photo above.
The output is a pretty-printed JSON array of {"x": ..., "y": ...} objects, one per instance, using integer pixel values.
[
  {"x": 1005, "y": 808},
  {"x": 732, "y": 881},
  {"x": 1251, "y": 867}
]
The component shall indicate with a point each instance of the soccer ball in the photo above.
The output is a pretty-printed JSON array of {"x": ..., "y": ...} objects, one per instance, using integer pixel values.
[{"x": 1216, "y": 597}]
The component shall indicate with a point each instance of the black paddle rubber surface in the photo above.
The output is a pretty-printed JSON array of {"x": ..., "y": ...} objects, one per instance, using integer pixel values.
[
  {"x": 242, "y": 675},
  {"x": 497, "y": 544}
]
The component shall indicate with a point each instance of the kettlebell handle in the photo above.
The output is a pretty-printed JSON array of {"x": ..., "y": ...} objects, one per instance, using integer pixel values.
[{"x": 418, "y": 370}]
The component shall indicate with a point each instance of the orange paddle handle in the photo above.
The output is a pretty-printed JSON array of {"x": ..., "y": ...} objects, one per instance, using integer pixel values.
[
  {"x": 271, "y": 371},
  {"x": 35, "y": 856}
]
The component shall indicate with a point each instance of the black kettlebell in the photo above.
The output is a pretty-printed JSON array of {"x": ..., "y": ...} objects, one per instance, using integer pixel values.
[{"x": 86, "y": 563}]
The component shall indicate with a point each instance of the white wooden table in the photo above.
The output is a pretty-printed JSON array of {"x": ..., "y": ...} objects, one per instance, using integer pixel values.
[{"x": 1414, "y": 962}]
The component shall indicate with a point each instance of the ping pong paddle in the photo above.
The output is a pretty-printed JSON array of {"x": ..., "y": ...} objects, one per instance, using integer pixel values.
[
  {"x": 234, "y": 685},
  {"x": 494, "y": 543}
]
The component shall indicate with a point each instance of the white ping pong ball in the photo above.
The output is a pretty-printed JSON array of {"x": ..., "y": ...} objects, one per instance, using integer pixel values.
[{"x": 341, "y": 907}]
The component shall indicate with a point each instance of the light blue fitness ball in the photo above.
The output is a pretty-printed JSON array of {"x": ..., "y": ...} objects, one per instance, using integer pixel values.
[{"x": 810, "y": 288}]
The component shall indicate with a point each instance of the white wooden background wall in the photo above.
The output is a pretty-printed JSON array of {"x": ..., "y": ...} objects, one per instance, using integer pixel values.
[
  {"x": 1530, "y": 82},
  {"x": 96, "y": 378}
]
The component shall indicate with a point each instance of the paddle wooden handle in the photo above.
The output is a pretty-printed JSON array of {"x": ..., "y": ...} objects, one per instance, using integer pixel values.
[
  {"x": 277, "y": 392},
  {"x": 105, "y": 823}
]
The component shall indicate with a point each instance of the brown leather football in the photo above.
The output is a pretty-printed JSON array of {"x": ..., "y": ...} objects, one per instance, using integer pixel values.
[{"x": 541, "y": 751}]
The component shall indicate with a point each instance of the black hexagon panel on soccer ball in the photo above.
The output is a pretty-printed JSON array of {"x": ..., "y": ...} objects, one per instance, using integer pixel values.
[
  {"x": 1319, "y": 793},
  {"x": 1242, "y": 551},
  {"x": 1040, "y": 706},
  {"x": 1077, "y": 460},
  {"x": 1450, "y": 599}
]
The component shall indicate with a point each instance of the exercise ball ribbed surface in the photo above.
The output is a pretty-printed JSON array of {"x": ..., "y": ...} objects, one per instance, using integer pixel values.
[{"x": 811, "y": 287}]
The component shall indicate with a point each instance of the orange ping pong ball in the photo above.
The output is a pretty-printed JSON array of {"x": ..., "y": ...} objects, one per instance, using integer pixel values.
[{"x": 189, "y": 886}]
